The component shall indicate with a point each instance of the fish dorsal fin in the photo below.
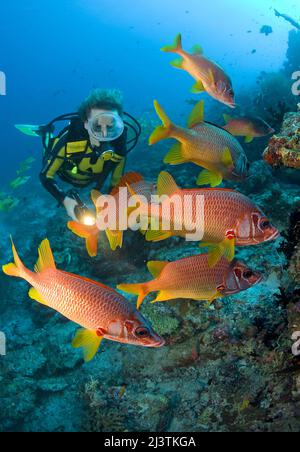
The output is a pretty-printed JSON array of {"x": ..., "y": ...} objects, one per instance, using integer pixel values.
[
  {"x": 156, "y": 267},
  {"x": 197, "y": 115},
  {"x": 95, "y": 194},
  {"x": 82, "y": 278},
  {"x": 166, "y": 184},
  {"x": 127, "y": 179},
  {"x": 197, "y": 50},
  {"x": 46, "y": 259},
  {"x": 227, "y": 118}
]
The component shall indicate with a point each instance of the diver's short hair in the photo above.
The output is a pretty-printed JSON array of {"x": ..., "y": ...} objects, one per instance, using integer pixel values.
[{"x": 107, "y": 99}]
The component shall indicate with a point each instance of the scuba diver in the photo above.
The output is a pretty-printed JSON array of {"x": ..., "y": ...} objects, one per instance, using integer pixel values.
[{"x": 93, "y": 146}]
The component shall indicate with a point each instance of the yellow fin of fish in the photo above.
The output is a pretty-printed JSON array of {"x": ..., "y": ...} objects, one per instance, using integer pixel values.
[
  {"x": 162, "y": 296},
  {"x": 197, "y": 88},
  {"x": 166, "y": 184},
  {"x": 197, "y": 50},
  {"x": 175, "y": 155},
  {"x": 164, "y": 131},
  {"x": 115, "y": 239},
  {"x": 227, "y": 157},
  {"x": 89, "y": 341},
  {"x": 135, "y": 289},
  {"x": 34, "y": 295},
  {"x": 249, "y": 139},
  {"x": 207, "y": 177},
  {"x": 95, "y": 194},
  {"x": 15, "y": 268},
  {"x": 156, "y": 267},
  {"x": 197, "y": 115},
  {"x": 46, "y": 259},
  {"x": 157, "y": 236},
  {"x": 178, "y": 63},
  {"x": 217, "y": 251},
  {"x": 177, "y": 46}
]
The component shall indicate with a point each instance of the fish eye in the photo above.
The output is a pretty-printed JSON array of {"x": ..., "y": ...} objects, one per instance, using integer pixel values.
[
  {"x": 248, "y": 274},
  {"x": 142, "y": 332},
  {"x": 265, "y": 224}
]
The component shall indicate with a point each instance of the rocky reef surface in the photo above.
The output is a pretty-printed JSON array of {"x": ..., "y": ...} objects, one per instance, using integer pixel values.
[
  {"x": 284, "y": 148},
  {"x": 226, "y": 368}
]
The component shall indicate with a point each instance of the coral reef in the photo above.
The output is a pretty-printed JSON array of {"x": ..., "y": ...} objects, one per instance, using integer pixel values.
[{"x": 284, "y": 148}]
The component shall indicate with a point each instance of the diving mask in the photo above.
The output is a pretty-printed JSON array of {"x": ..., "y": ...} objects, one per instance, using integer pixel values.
[{"x": 106, "y": 126}]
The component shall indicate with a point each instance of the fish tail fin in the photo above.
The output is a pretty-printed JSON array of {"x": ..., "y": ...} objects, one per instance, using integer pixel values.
[
  {"x": 115, "y": 239},
  {"x": 89, "y": 233},
  {"x": 164, "y": 131},
  {"x": 141, "y": 290},
  {"x": 176, "y": 47},
  {"x": 16, "y": 268},
  {"x": 89, "y": 341}
]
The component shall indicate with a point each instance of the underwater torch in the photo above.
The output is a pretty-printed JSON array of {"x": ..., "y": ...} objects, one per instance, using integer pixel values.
[{"x": 83, "y": 214}]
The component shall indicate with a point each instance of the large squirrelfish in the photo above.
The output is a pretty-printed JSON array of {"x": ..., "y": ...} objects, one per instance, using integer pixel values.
[
  {"x": 100, "y": 310},
  {"x": 115, "y": 237},
  {"x": 192, "y": 278},
  {"x": 204, "y": 144},
  {"x": 230, "y": 218},
  {"x": 209, "y": 76}
]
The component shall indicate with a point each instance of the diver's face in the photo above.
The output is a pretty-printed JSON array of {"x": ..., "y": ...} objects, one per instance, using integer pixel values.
[{"x": 104, "y": 122}]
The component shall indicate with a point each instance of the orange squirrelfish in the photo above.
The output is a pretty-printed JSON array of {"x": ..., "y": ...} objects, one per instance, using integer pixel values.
[
  {"x": 247, "y": 127},
  {"x": 205, "y": 145},
  {"x": 91, "y": 233},
  {"x": 208, "y": 75},
  {"x": 230, "y": 218},
  {"x": 101, "y": 311},
  {"x": 192, "y": 278}
]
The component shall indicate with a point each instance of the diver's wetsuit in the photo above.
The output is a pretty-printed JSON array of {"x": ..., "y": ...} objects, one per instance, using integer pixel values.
[{"x": 80, "y": 164}]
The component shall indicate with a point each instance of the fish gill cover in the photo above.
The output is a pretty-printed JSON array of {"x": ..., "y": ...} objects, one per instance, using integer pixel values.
[{"x": 226, "y": 129}]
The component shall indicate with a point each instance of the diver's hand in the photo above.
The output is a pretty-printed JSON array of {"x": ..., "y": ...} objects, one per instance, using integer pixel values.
[{"x": 70, "y": 205}]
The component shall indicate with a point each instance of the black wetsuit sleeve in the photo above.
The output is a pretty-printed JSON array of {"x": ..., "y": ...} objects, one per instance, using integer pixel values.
[{"x": 48, "y": 173}]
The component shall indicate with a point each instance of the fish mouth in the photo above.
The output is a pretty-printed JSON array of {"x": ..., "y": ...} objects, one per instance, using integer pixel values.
[
  {"x": 276, "y": 234},
  {"x": 159, "y": 343}
]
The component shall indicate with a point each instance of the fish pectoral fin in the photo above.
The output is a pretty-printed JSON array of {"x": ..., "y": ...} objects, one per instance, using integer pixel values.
[
  {"x": 158, "y": 236},
  {"x": 207, "y": 177},
  {"x": 227, "y": 158},
  {"x": 197, "y": 114},
  {"x": 211, "y": 76},
  {"x": 156, "y": 267},
  {"x": 115, "y": 239},
  {"x": 229, "y": 249},
  {"x": 34, "y": 295},
  {"x": 198, "y": 88},
  {"x": 177, "y": 63},
  {"x": 249, "y": 139},
  {"x": 227, "y": 118},
  {"x": 217, "y": 251},
  {"x": 89, "y": 341},
  {"x": 175, "y": 155}
]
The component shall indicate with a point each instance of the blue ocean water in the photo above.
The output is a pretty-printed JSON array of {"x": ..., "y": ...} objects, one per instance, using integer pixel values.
[{"x": 53, "y": 54}]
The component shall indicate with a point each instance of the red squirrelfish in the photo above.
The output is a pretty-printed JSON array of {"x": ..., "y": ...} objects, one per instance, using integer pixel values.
[
  {"x": 192, "y": 278},
  {"x": 209, "y": 76},
  {"x": 100, "y": 310}
]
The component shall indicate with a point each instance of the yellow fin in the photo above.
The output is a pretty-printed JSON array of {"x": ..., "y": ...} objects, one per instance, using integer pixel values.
[
  {"x": 162, "y": 296},
  {"x": 164, "y": 131},
  {"x": 135, "y": 289},
  {"x": 46, "y": 259},
  {"x": 115, "y": 239},
  {"x": 197, "y": 88},
  {"x": 176, "y": 47},
  {"x": 156, "y": 267},
  {"x": 217, "y": 251},
  {"x": 166, "y": 184},
  {"x": 178, "y": 63},
  {"x": 227, "y": 157},
  {"x": 16, "y": 268},
  {"x": 197, "y": 114},
  {"x": 33, "y": 293},
  {"x": 249, "y": 139},
  {"x": 157, "y": 236},
  {"x": 89, "y": 341},
  {"x": 197, "y": 50},
  {"x": 95, "y": 194},
  {"x": 209, "y": 178},
  {"x": 11, "y": 270},
  {"x": 227, "y": 118},
  {"x": 175, "y": 155}
]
